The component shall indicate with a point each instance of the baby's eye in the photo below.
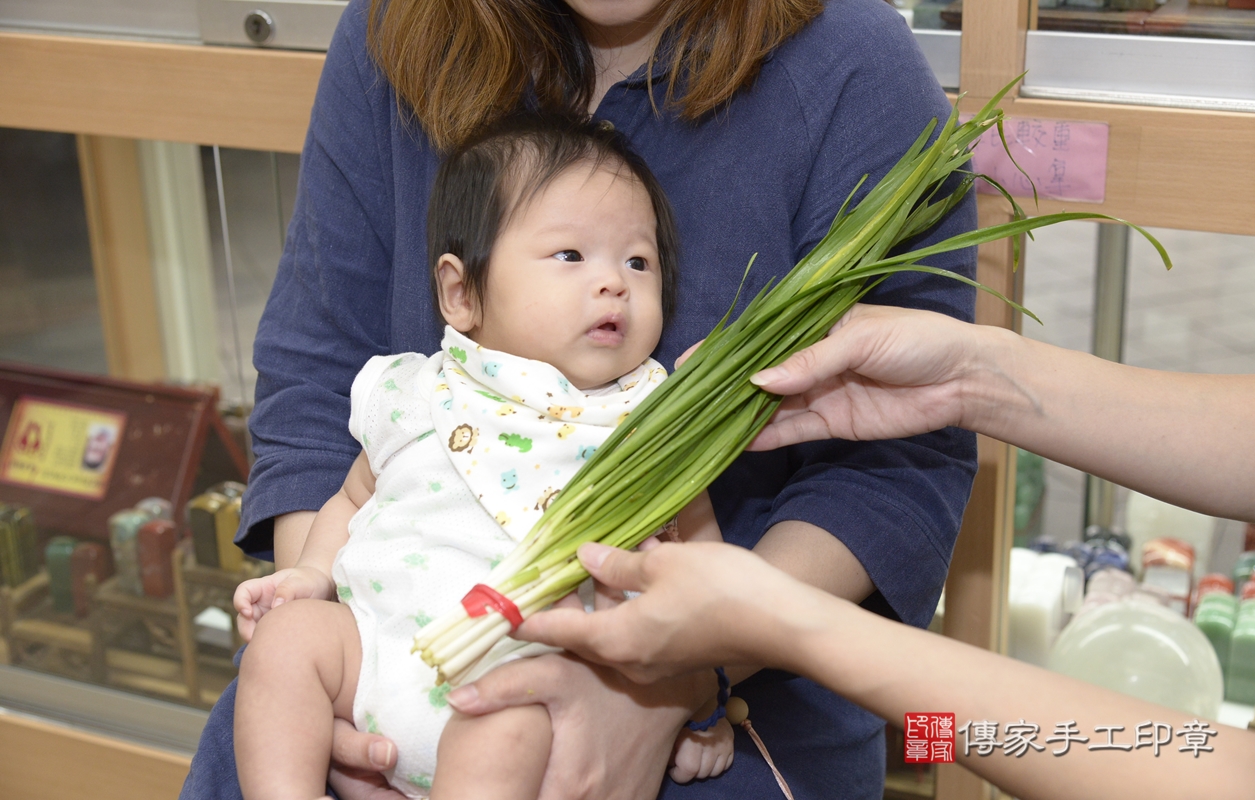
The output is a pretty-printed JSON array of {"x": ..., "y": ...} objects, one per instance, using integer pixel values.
[
  {"x": 568, "y": 255},
  {"x": 637, "y": 263}
]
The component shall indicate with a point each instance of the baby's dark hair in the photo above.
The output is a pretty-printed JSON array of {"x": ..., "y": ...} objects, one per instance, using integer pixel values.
[{"x": 482, "y": 183}]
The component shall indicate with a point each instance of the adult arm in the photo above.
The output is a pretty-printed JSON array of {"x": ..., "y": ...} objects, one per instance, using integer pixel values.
[
  {"x": 745, "y": 610},
  {"x": 328, "y": 310},
  {"x": 1184, "y": 438},
  {"x": 327, "y": 314}
]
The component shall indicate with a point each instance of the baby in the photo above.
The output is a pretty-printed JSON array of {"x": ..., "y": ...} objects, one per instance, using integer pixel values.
[{"x": 553, "y": 254}]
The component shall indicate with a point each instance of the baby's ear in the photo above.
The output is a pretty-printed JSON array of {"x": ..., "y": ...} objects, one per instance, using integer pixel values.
[{"x": 458, "y": 304}]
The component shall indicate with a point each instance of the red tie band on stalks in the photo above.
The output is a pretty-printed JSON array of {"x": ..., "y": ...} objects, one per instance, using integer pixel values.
[{"x": 481, "y": 599}]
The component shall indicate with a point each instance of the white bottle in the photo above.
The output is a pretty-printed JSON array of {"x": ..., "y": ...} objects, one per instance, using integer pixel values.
[{"x": 1044, "y": 591}]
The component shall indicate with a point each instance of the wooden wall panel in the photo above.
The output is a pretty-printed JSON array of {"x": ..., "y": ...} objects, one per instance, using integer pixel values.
[
  {"x": 43, "y": 761},
  {"x": 237, "y": 97},
  {"x": 1166, "y": 167},
  {"x": 976, "y": 588},
  {"x": 992, "y": 55},
  {"x": 117, "y": 226},
  {"x": 992, "y": 48}
]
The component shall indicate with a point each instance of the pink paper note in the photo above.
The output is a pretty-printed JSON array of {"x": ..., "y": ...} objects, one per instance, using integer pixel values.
[{"x": 1066, "y": 160}]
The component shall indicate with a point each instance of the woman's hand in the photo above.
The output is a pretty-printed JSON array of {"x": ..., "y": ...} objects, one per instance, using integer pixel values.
[
  {"x": 702, "y": 604},
  {"x": 881, "y": 373},
  {"x": 612, "y": 739},
  {"x": 358, "y": 761}
]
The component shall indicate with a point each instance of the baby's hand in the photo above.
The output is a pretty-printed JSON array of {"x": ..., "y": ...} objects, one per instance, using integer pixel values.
[
  {"x": 702, "y": 754},
  {"x": 253, "y": 598}
]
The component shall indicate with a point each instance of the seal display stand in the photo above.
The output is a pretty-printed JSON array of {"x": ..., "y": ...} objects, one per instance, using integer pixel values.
[
  {"x": 75, "y": 450},
  {"x": 39, "y": 637},
  {"x": 128, "y": 641},
  {"x": 149, "y": 645},
  {"x": 149, "y": 441}
]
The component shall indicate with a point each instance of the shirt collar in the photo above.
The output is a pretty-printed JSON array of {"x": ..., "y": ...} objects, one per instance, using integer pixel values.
[{"x": 662, "y": 62}]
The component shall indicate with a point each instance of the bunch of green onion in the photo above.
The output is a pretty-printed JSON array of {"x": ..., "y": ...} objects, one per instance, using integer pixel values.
[{"x": 701, "y": 418}]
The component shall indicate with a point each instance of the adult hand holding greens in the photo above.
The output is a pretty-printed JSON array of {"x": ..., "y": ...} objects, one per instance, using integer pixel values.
[{"x": 890, "y": 372}]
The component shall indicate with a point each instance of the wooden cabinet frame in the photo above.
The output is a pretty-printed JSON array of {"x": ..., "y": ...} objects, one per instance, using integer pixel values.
[{"x": 1166, "y": 167}]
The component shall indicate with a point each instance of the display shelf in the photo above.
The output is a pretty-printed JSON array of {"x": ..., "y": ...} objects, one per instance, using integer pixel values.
[
  {"x": 142, "y": 644},
  {"x": 1237, "y": 715},
  {"x": 152, "y": 661},
  {"x": 1173, "y": 18},
  {"x": 196, "y": 588},
  {"x": 38, "y": 637}
]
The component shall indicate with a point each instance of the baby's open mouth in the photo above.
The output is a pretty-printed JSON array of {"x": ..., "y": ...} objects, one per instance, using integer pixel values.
[{"x": 610, "y": 329}]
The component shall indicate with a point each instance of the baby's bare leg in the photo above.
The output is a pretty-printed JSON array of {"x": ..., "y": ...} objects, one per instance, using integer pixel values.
[
  {"x": 298, "y": 674},
  {"x": 499, "y": 756}
]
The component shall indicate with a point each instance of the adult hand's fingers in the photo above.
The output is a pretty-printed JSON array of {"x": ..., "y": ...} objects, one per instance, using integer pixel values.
[
  {"x": 615, "y": 568},
  {"x": 588, "y": 635},
  {"x": 679, "y": 362},
  {"x": 805, "y": 368},
  {"x": 571, "y": 600},
  {"x": 606, "y": 597},
  {"x": 364, "y": 751},
  {"x": 353, "y": 784},
  {"x": 519, "y": 683},
  {"x": 829, "y": 356},
  {"x": 568, "y": 628},
  {"x": 806, "y": 426}
]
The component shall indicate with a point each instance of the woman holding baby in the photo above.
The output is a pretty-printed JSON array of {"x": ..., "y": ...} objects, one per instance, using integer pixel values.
[{"x": 758, "y": 119}]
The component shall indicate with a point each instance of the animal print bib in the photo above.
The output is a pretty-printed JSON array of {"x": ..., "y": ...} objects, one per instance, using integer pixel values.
[{"x": 517, "y": 430}]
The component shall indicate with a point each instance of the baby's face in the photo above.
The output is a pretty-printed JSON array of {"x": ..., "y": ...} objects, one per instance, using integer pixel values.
[{"x": 574, "y": 278}]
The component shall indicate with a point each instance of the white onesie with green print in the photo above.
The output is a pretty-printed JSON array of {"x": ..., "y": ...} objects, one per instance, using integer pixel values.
[{"x": 467, "y": 447}]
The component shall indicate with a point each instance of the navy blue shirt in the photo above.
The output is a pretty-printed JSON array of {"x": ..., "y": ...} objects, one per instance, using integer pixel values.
[{"x": 843, "y": 98}]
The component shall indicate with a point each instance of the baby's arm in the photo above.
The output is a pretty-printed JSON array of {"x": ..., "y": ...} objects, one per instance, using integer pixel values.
[
  {"x": 330, "y": 530},
  {"x": 311, "y": 577},
  {"x": 697, "y": 521}
]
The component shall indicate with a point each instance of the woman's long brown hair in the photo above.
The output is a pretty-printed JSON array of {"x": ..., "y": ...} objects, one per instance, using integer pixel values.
[{"x": 460, "y": 64}]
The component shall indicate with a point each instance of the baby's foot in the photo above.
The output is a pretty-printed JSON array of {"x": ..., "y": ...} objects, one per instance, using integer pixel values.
[{"x": 702, "y": 754}]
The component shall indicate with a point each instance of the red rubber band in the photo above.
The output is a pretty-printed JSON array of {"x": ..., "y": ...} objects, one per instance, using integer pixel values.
[{"x": 481, "y": 599}]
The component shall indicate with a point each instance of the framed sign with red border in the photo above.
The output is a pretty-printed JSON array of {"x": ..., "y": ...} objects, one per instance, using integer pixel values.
[{"x": 77, "y": 448}]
